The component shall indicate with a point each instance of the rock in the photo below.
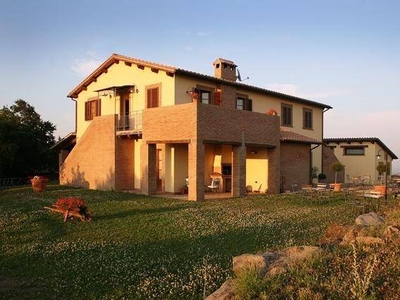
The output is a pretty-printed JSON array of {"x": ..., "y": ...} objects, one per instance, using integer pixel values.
[
  {"x": 391, "y": 232},
  {"x": 369, "y": 219},
  {"x": 350, "y": 235},
  {"x": 260, "y": 262},
  {"x": 225, "y": 292},
  {"x": 334, "y": 235},
  {"x": 369, "y": 240},
  {"x": 290, "y": 256}
]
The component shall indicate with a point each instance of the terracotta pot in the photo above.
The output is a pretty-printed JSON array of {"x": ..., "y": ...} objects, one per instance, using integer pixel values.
[
  {"x": 337, "y": 187},
  {"x": 39, "y": 184},
  {"x": 380, "y": 189}
]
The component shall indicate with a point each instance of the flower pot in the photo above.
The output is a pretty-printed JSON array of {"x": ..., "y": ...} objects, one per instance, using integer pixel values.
[
  {"x": 380, "y": 189},
  {"x": 39, "y": 184},
  {"x": 337, "y": 187}
]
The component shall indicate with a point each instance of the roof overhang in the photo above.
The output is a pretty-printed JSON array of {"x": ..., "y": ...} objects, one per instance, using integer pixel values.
[
  {"x": 289, "y": 136},
  {"x": 66, "y": 143}
]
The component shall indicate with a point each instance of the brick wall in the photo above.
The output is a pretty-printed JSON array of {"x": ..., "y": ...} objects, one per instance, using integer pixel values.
[
  {"x": 124, "y": 164},
  {"x": 295, "y": 164},
  {"x": 91, "y": 163}
]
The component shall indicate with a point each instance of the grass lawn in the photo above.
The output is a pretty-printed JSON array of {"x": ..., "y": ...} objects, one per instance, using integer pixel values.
[{"x": 141, "y": 247}]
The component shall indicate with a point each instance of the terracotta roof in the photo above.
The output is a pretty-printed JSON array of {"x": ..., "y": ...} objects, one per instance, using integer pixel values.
[
  {"x": 66, "y": 142},
  {"x": 116, "y": 58},
  {"x": 289, "y": 136},
  {"x": 361, "y": 140}
]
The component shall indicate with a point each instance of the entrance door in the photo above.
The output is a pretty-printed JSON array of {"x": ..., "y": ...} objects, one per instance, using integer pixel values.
[{"x": 124, "y": 111}]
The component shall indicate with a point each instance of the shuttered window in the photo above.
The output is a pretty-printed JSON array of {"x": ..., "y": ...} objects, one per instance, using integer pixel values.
[
  {"x": 92, "y": 109},
  {"x": 287, "y": 115},
  {"x": 307, "y": 118},
  {"x": 243, "y": 103},
  {"x": 153, "y": 97}
]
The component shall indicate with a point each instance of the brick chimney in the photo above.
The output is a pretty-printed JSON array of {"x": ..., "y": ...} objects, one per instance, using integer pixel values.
[{"x": 225, "y": 69}]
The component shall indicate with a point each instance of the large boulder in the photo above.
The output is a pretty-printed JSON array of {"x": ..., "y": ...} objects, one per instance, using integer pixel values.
[{"x": 225, "y": 292}]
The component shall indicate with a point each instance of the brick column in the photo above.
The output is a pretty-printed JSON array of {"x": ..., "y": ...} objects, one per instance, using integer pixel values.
[
  {"x": 239, "y": 171},
  {"x": 274, "y": 174},
  {"x": 196, "y": 170},
  {"x": 148, "y": 160}
]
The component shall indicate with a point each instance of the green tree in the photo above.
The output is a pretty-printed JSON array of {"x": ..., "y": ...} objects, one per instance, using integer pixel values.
[{"x": 25, "y": 141}]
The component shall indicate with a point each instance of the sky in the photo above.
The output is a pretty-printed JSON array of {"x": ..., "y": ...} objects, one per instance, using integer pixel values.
[{"x": 342, "y": 53}]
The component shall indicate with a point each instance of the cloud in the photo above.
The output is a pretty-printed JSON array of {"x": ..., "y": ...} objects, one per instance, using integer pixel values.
[
  {"x": 315, "y": 95},
  {"x": 83, "y": 67},
  {"x": 285, "y": 88}
]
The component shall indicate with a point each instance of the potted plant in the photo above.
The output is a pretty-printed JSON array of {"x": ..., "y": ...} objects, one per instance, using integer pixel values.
[
  {"x": 321, "y": 177},
  {"x": 314, "y": 174},
  {"x": 337, "y": 167},
  {"x": 39, "y": 183}
]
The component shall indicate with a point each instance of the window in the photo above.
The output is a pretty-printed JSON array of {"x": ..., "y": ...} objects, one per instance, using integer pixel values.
[
  {"x": 92, "y": 109},
  {"x": 244, "y": 103},
  {"x": 354, "y": 151},
  {"x": 307, "y": 118},
  {"x": 153, "y": 97},
  {"x": 205, "y": 97},
  {"x": 287, "y": 115}
]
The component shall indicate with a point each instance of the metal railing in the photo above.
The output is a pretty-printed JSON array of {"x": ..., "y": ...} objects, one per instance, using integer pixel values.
[
  {"x": 131, "y": 122},
  {"x": 10, "y": 182}
]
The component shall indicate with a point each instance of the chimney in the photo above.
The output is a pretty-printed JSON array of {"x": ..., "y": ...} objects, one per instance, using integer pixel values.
[{"x": 225, "y": 69}]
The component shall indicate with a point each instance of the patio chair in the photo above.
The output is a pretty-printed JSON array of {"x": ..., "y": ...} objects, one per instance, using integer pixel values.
[{"x": 214, "y": 186}]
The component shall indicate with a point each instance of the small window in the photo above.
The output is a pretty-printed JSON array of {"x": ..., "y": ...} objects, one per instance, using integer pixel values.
[
  {"x": 354, "y": 151},
  {"x": 92, "y": 109},
  {"x": 307, "y": 118},
  {"x": 205, "y": 97},
  {"x": 287, "y": 115},
  {"x": 244, "y": 103}
]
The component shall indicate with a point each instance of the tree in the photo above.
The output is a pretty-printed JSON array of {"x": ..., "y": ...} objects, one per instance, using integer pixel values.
[{"x": 25, "y": 141}]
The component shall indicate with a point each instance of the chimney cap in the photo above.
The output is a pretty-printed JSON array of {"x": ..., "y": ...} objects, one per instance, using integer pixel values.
[{"x": 226, "y": 61}]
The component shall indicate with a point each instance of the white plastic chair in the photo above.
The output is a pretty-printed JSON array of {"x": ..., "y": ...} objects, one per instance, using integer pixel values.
[{"x": 214, "y": 185}]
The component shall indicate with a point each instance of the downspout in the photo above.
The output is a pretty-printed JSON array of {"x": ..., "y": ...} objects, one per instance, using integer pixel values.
[
  {"x": 322, "y": 137},
  {"x": 76, "y": 113},
  {"x": 311, "y": 162}
]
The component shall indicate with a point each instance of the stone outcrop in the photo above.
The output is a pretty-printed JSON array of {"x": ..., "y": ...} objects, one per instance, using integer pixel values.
[
  {"x": 265, "y": 264},
  {"x": 272, "y": 263}
]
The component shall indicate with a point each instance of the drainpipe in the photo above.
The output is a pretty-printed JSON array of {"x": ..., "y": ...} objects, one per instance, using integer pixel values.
[
  {"x": 322, "y": 137},
  {"x": 311, "y": 162},
  {"x": 76, "y": 112}
]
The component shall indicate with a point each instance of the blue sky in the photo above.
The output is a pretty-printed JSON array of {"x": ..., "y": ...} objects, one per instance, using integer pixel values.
[{"x": 342, "y": 53}]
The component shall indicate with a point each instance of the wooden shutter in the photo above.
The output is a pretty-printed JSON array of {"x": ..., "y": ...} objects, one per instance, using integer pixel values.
[
  {"x": 87, "y": 110},
  {"x": 249, "y": 105},
  {"x": 217, "y": 98},
  {"x": 152, "y": 98},
  {"x": 98, "y": 107}
]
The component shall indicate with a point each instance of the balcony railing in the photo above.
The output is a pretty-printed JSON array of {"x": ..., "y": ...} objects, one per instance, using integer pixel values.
[{"x": 131, "y": 122}]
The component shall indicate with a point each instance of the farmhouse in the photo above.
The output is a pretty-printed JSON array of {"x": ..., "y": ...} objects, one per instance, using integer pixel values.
[{"x": 154, "y": 128}]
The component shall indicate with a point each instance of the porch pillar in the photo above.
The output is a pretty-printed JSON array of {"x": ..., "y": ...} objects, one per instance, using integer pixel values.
[
  {"x": 196, "y": 151},
  {"x": 149, "y": 181},
  {"x": 239, "y": 171}
]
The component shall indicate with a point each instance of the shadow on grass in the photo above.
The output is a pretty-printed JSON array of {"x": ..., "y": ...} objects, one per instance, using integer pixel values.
[{"x": 133, "y": 212}]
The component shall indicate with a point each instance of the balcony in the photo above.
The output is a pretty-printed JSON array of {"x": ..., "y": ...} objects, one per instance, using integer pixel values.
[{"x": 130, "y": 125}]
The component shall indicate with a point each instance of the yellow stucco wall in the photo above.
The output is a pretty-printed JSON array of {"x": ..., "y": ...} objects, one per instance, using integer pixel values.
[
  {"x": 122, "y": 74},
  {"x": 361, "y": 165}
]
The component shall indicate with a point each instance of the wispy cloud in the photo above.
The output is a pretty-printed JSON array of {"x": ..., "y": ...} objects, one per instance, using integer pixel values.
[
  {"x": 285, "y": 88},
  {"x": 83, "y": 67},
  {"x": 295, "y": 90}
]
